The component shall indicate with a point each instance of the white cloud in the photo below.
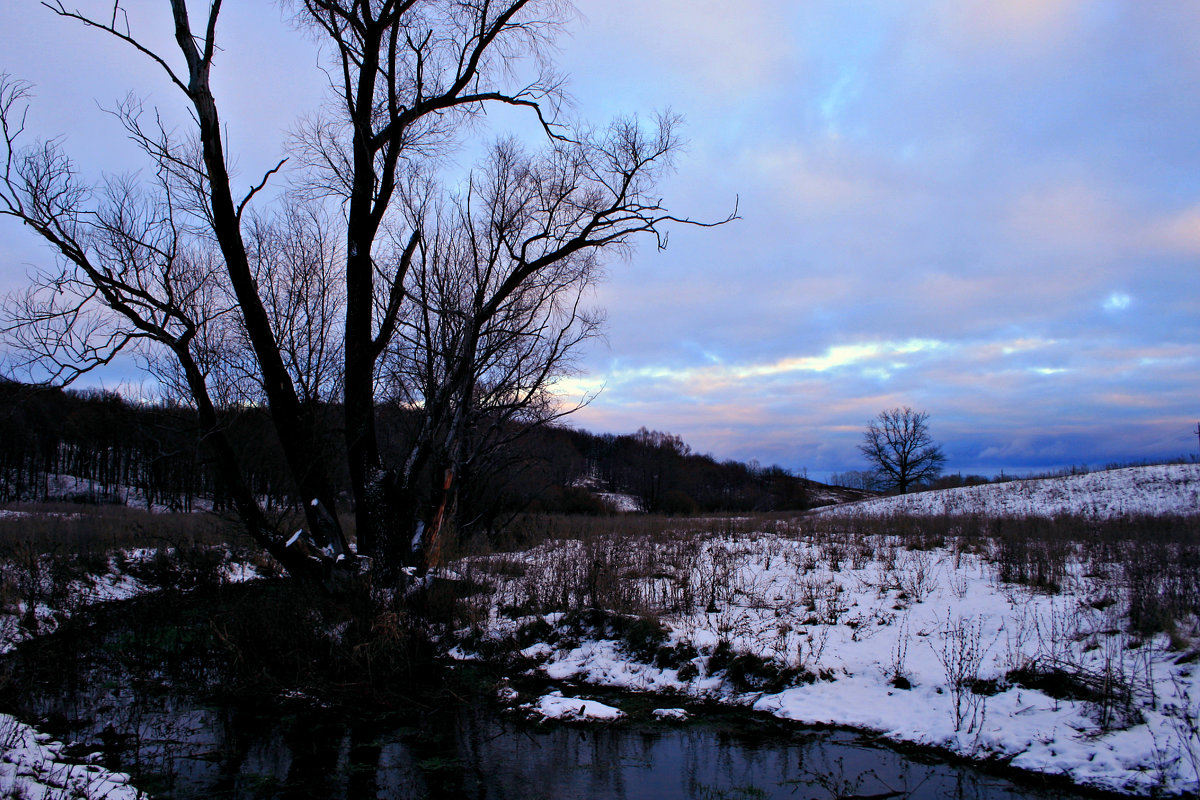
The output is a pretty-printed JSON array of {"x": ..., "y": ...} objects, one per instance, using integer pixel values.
[
  {"x": 1117, "y": 301},
  {"x": 809, "y": 182}
]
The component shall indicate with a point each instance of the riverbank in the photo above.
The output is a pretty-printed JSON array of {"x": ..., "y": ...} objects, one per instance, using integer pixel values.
[
  {"x": 33, "y": 766},
  {"x": 926, "y": 645},
  {"x": 176, "y": 730},
  {"x": 1066, "y": 645},
  {"x": 141, "y": 688}
]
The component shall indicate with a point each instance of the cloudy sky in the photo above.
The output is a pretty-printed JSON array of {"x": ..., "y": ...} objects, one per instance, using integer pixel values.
[{"x": 986, "y": 210}]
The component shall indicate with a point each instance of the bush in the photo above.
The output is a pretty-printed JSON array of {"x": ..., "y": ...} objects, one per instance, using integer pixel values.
[
  {"x": 643, "y": 636},
  {"x": 679, "y": 502},
  {"x": 678, "y": 656},
  {"x": 533, "y": 632},
  {"x": 748, "y": 672},
  {"x": 568, "y": 500}
]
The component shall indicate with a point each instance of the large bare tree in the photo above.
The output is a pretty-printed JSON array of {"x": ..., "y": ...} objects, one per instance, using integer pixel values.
[
  {"x": 898, "y": 443},
  {"x": 458, "y": 304}
]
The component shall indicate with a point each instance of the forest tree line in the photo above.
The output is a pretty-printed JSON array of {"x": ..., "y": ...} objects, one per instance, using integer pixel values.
[{"x": 122, "y": 451}]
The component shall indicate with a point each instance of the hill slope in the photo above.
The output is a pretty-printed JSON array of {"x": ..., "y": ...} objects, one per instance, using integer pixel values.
[{"x": 1163, "y": 489}]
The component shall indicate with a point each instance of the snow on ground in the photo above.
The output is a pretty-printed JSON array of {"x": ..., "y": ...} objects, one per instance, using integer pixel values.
[
  {"x": 555, "y": 706},
  {"x": 673, "y": 714},
  {"x": 625, "y": 503},
  {"x": 34, "y": 767},
  {"x": 820, "y": 494},
  {"x": 1164, "y": 489},
  {"x": 617, "y": 501},
  {"x": 69, "y": 487},
  {"x": 17, "y": 625},
  {"x": 920, "y": 646}
]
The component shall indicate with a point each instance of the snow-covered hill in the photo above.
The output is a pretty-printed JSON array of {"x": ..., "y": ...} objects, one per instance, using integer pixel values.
[{"x": 1157, "y": 490}]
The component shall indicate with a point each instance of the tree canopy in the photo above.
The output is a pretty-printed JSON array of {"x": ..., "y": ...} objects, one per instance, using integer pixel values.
[
  {"x": 899, "y": 446},
  {"x": 367, "y": 280}
]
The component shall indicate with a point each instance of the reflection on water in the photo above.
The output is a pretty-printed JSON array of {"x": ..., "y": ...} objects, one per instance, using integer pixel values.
[
  {"x": 176, "y": 745},
  {"x": 703, "y": 761}
]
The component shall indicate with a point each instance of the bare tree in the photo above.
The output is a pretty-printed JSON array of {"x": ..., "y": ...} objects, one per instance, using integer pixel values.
[
  {"x": 462, "y": 306},
  {"x": 898, "y": 443}
]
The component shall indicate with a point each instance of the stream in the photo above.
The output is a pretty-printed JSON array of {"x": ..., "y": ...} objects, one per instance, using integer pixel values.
[{"x": 152, "y": 711}]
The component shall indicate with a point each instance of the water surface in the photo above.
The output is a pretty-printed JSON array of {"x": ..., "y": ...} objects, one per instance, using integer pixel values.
[{"x": 138, "y": 688}]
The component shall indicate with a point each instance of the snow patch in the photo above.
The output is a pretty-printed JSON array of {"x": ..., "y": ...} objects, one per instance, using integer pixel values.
[
  {"x": 670, "y": 714},
  {"x": 33, "y": 767},
  {"x": 555, "y": 706},
  {"x": 624, "y": 503}
]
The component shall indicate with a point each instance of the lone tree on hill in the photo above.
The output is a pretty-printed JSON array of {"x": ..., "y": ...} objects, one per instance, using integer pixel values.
[
  {"x": 363, "y": 281},
  {"x": 898, "y": 443}
]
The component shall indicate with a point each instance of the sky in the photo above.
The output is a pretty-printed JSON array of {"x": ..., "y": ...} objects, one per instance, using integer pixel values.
[{"x": 988, "y": 211}]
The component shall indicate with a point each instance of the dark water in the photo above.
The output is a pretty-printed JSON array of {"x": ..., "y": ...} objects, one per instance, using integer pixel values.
[{"x": 452, "y": 740}]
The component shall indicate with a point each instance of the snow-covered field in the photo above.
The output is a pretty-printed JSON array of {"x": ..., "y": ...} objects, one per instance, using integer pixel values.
[
  {"x": 1165, "y": 489},
  {"x": 927, "y": 646},
  {"x": 915, "y": 637}
]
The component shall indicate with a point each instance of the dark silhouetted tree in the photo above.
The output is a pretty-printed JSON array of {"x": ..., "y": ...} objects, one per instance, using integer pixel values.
[
  {"x": 898, "y": 444},
  {"x": 370, "y": 282}
]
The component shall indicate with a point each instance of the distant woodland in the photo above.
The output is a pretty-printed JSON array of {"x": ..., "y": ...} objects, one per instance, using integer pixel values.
[{"x": 157, "y": 451}]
